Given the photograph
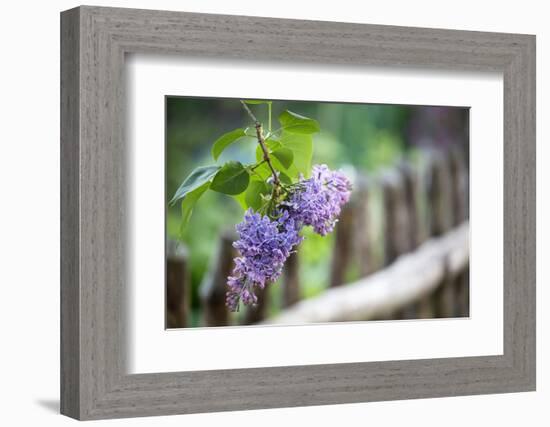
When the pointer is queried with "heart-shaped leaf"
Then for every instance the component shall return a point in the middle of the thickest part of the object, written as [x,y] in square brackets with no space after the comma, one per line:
[271,144]
[231,179]
[295,123]
[225,141]
[302,148]
[195,179]
[284,155]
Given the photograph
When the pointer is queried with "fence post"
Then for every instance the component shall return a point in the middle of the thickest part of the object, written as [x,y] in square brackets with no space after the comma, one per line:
[258,312]
[396,224]
[410,182]
[213,288]
[177,285]
[361,236]
[291,280]
[440,221]
[351,236]
[459,178]
[463,294]
[342,252]
[459,186]
[396,227]
[445,296]
[439,194]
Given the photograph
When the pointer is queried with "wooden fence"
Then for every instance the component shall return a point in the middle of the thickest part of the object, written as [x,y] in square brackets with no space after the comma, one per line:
[422,273]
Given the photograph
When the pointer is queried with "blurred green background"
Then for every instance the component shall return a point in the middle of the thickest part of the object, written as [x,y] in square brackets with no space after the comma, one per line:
[355,137]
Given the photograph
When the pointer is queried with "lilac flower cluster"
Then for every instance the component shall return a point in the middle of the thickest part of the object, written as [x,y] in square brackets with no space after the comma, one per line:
[318,200]
[265,244]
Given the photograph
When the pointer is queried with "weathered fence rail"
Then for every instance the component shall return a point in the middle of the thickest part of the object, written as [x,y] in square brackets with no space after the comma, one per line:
[421,273]
[410,277]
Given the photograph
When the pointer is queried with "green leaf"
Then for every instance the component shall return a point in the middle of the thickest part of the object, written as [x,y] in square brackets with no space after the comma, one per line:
[255,101]
[262,172]
[284,155]
[285,179]
[195,179]
[295,123]
[241,201]
[188,203]
[271,144]
[277,165]
[259,154]
[277,152]
[302,148]
[253,194]
[225,141]
[281,159]
[231,179]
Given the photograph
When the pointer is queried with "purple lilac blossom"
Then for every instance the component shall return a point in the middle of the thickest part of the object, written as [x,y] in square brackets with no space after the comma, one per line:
[318,201]
[264,245]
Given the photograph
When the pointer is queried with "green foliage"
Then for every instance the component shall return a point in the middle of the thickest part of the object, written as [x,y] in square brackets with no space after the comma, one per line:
[284,155]
[188,203]
[292,154]
[281,158]
[271,143]
[289,153]
[225,141]
[301,145]
[261,171]
[196,179]
[314,252]
[256,101]
[255,193]
[295,123]
[241,200]
[231,179]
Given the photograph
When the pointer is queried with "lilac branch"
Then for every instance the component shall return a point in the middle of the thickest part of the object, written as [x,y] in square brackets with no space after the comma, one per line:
[261,141]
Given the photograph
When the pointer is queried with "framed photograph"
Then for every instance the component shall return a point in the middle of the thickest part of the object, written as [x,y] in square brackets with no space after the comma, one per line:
[261,213]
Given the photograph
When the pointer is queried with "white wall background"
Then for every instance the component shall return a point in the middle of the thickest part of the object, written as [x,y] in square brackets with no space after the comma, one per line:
[29,213]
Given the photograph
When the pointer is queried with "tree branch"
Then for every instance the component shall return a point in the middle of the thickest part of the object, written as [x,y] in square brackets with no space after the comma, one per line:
[261,141]
[250,113]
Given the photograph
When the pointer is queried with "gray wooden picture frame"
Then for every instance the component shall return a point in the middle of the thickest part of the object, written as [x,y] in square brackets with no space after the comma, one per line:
[94,381]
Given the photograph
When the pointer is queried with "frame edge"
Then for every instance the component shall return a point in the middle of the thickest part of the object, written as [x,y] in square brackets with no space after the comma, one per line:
[70,396]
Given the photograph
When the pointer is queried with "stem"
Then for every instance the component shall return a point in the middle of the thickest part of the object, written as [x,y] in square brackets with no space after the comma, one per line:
[261,141]
[257,165]
[256,173]
[250,113]
[277,130]
[269,117]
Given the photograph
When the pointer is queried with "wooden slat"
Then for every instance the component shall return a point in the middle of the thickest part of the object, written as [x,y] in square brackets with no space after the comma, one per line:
[178,286]
[213,287]
[291,280]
